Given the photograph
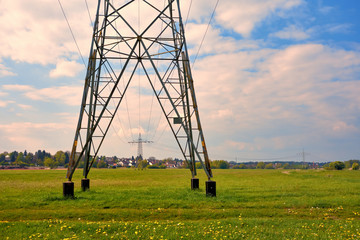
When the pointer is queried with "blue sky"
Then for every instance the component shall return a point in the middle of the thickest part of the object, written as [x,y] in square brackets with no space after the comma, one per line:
[272,77]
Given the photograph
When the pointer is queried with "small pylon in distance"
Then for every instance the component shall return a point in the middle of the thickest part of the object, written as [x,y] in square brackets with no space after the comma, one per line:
[139,142]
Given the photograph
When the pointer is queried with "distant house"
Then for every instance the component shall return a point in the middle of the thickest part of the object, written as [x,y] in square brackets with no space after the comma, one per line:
[170,165]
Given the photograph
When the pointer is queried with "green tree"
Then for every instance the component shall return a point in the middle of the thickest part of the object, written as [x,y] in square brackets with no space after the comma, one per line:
[29,158]
[286,166]
[269,166]
[51,163]
[224,164]
[337,165]
[39,162]
[2,157]
[355,166]
[20,160]
[142,164]
[240,166]
[20,157]
[13,156]
[260,165]
[67,157]
[60,158]
[198,165]
[214,164]
[348,164]
[101,164]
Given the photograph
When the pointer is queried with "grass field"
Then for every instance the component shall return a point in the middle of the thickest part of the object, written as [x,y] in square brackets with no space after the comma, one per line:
[158,204]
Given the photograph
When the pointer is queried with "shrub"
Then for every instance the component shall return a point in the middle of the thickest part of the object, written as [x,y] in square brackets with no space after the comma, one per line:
[222,164]
[260,165]
[286,166]
[337,165]
[269,166]
[355,166]
[240,166]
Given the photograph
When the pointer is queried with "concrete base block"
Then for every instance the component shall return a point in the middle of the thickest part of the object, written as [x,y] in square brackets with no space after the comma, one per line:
[68,189]
[210,188]
[194,183]
[85,184]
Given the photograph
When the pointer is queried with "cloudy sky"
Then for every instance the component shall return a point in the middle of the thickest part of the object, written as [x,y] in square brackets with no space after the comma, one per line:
[273,77]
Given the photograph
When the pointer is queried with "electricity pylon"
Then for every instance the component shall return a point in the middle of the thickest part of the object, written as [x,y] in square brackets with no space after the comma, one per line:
[126,44]
[139,142]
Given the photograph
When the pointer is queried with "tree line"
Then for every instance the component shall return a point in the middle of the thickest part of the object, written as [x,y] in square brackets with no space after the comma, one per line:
[41,158]
[337,165]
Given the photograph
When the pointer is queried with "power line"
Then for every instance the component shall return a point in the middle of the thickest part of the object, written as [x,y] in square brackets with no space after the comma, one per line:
[124,96]
[207,28]
[188,13]
[87,7]
[153,95]
[72,34]
[303,154]
[139,21]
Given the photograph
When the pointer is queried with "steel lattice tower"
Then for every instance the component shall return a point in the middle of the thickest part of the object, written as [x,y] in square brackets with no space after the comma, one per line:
[120,49]
[139,142]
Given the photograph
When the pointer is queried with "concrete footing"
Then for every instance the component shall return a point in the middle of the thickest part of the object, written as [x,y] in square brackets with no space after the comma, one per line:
[68,189]
[210,188]
[194,183]
[85,184]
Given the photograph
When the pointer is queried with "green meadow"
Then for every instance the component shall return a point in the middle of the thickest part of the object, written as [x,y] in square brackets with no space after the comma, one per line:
[158,204]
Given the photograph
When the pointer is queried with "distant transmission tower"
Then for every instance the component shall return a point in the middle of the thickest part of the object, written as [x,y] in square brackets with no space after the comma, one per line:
[127,45]
[303,155]
[140,148]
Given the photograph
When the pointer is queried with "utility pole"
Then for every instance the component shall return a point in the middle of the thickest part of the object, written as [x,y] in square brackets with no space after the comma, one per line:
[140,148]
[303,155]
[125,46]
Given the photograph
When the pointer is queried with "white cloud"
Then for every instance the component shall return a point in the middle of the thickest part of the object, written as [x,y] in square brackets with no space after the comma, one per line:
[25,107]
[66,68]
[27,126]
[34,136]
[242,16]
[3,103]
[37,31]
[5,71]
[17,87]
[337,28]
[325,9]
[214,43]
[69,95]
[285,93]
[292,32]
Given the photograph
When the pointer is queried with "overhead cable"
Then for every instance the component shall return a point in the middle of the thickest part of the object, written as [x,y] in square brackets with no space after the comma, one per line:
[188,13]
[153,95]
[87,7]
[72,34]
[207,28]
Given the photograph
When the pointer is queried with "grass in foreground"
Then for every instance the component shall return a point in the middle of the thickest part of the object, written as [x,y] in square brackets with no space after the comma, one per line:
[156,204]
